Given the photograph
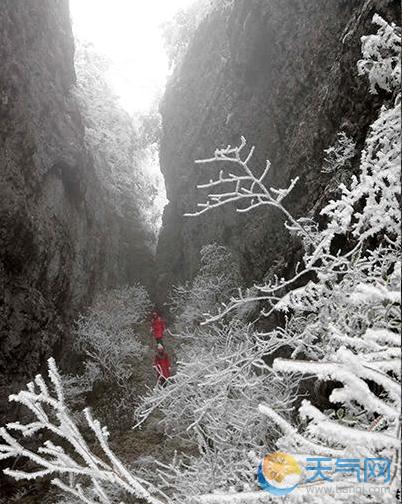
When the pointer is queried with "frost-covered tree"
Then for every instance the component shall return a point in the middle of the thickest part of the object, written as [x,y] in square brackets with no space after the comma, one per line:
[343,325]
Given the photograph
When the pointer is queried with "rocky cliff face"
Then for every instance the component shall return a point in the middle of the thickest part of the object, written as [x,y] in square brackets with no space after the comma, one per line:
[283,74]
[60,239]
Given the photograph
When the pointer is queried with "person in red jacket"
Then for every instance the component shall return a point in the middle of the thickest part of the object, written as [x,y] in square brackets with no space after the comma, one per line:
[162,364]
[158,326]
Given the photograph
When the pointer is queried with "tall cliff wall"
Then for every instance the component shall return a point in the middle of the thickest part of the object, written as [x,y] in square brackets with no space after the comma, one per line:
[60,239]
[283,74]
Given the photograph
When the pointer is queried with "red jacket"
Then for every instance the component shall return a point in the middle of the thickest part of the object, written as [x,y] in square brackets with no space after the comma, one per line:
[162,365]
[158,327]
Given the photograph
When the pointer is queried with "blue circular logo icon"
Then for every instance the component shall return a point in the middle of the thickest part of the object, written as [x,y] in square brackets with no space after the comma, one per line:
[279,473]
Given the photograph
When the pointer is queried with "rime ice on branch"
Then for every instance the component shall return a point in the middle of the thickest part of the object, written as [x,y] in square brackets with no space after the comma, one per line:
[245,187]
[73,465]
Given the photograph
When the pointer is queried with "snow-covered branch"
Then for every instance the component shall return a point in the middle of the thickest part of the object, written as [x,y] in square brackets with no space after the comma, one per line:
[244,187]
[65,455]
[381,60]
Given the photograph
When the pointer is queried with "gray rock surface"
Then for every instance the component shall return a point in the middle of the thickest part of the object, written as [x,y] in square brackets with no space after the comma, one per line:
[283,74]
[60,239]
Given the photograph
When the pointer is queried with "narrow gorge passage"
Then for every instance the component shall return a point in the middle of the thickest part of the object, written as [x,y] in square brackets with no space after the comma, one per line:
[200,251]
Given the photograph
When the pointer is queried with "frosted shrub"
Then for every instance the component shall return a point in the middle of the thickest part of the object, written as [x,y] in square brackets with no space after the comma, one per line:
[121,308]
[64,453]
[213,284]
[106,336]
[212,402]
